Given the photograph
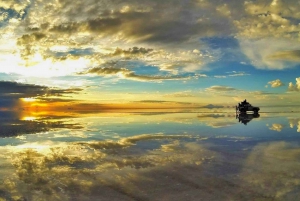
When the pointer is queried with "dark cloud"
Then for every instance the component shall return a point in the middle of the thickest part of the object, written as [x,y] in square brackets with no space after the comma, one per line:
[127,74]
[132,25]
[135,51]
[292,55]
[20,90]
[27,43]
[139,21]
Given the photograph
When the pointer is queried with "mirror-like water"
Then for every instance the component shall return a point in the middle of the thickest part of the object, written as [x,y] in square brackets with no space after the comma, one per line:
[151,155]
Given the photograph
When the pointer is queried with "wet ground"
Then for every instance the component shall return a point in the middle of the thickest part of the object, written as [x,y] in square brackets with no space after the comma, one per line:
[150,155]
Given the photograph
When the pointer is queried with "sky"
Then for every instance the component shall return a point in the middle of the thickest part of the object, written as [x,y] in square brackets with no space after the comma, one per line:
[106,54]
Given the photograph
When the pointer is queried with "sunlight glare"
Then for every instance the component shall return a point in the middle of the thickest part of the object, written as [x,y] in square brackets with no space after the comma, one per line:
[28,118]
[28,99]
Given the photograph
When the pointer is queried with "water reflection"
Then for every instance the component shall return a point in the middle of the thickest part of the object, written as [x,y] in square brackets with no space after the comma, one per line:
[161,156]
[295,122]
[245,118]
[14,124]
[216,120]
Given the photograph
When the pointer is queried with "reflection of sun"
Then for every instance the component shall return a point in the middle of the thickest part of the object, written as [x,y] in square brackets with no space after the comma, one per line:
[28,118]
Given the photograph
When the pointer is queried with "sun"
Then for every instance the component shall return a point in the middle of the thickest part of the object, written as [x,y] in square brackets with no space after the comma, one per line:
[28,99]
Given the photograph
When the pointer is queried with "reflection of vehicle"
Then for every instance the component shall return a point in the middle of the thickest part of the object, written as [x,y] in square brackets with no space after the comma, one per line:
[244,106]
[245,118]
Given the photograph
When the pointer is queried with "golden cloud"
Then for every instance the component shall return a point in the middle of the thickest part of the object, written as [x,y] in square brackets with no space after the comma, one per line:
[276,83]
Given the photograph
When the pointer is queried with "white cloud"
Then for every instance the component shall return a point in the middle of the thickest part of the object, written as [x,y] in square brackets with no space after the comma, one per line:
[276,83]
[220,76]
[218,88]
[266,53]
[265,19]
[106,25]
[295,87]
[173,40]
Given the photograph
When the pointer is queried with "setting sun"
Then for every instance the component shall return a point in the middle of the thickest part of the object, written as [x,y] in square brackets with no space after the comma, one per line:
[28,99]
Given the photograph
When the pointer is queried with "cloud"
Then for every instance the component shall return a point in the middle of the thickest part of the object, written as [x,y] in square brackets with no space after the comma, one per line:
[276,83]
[218,88]
[263,19]
[289,55]
[235,73]
[268,33]
[117,31]
[220,76]
[127,20]
[270,53]
[16,5]
[232,74]
[295,87]
[21,90]
[12,92]
[129,31]
[127,74]
[136,51]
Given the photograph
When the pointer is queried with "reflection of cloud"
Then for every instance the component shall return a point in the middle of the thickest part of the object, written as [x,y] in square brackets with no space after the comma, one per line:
[121,173]
[272,169]
[211,106]
[220,124]
[276,83]
[11,125]
[276,127]
[217,120]
[295,122]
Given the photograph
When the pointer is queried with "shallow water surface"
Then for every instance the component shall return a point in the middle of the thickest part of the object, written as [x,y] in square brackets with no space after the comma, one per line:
[157,155]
